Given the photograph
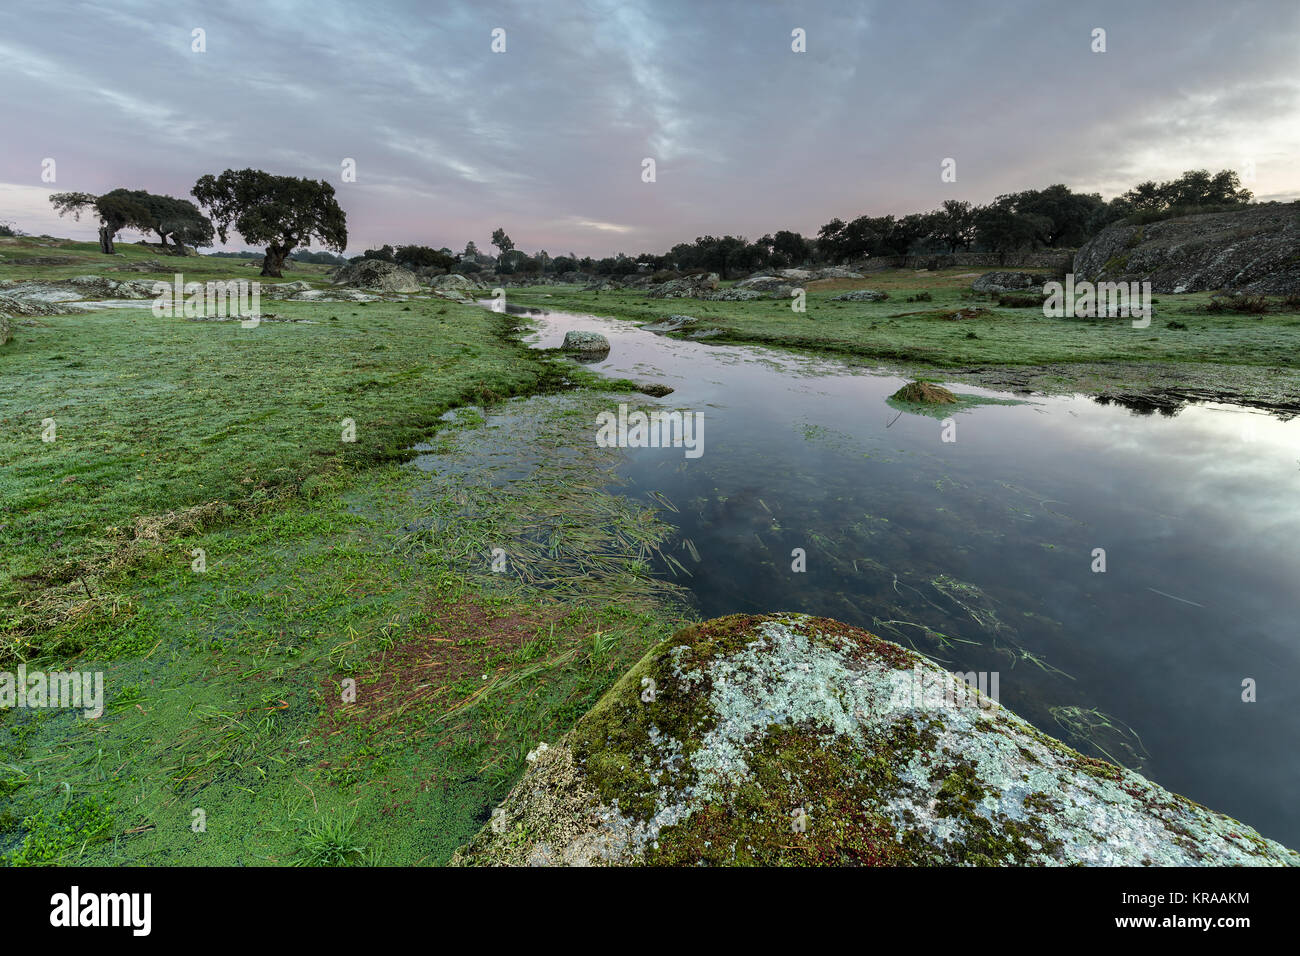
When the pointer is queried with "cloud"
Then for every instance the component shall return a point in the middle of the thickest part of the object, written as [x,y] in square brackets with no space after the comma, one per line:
[547,139]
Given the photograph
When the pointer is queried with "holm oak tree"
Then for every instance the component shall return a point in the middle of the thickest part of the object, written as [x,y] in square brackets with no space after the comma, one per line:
[282,212]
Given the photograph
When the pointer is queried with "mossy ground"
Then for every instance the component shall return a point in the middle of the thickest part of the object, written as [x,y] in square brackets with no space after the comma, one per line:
[325,561]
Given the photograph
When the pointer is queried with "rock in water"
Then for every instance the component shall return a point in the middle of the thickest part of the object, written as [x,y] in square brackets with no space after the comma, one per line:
[674,323]
[787,739]
[924,393]
[585,342]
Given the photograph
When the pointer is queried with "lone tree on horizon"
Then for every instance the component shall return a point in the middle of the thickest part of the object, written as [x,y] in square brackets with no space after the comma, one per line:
[282,212]
[502,241]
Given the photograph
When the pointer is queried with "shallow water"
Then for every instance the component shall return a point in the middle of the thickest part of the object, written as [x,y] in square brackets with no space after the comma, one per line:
[980,552]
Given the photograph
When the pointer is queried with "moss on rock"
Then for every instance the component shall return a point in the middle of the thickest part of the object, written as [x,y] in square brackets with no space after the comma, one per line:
[924,393]
[793,740]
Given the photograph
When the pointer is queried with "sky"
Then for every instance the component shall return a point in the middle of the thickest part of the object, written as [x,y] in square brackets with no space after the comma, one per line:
[548,138]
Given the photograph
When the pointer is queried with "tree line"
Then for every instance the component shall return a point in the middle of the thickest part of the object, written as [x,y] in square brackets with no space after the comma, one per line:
[286,213]
[1052,218]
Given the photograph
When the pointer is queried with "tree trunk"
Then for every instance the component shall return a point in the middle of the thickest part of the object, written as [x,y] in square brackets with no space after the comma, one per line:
[273,261]
[105,240]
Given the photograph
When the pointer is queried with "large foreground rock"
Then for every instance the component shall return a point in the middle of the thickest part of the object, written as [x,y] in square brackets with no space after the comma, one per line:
[793,740]
[1256,249]
[378,276]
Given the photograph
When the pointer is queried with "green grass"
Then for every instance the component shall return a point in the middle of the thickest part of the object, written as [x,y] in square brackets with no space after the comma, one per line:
[88,260]
[920,334]
[159,416]
[227,738]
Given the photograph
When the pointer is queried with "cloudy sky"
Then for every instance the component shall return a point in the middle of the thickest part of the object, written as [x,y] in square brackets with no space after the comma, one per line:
[548,138]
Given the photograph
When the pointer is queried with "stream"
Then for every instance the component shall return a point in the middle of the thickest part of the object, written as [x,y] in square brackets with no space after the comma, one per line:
[981,552]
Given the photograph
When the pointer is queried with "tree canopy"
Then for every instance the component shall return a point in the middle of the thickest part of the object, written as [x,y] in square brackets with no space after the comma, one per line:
[282,212]
[117,210]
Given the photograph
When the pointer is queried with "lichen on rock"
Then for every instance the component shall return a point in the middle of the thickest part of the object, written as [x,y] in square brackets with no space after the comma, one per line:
[792,740]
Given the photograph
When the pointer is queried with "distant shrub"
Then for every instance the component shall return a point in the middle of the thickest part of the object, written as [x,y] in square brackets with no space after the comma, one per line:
[1291,303]
[1017,300]
[919,297]
[1238,302]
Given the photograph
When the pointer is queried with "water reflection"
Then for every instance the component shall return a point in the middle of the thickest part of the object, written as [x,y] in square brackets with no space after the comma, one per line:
[981,552]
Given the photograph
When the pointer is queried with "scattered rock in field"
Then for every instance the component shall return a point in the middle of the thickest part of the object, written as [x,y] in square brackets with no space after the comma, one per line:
[6,329]
[588,342]
[283,290]
[838,272]
[924,393]
[720,745]
[457,283]
[765,284]
[735,295]
[378,276]
[861,295]
[12,306]
[685,288]
[704,334]
[1006,281]
[333,295]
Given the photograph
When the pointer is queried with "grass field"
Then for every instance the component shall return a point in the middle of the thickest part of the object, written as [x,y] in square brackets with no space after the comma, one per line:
[308,653]
[86,259]
[1242,356]
[200,532]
